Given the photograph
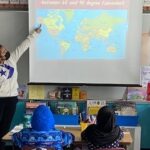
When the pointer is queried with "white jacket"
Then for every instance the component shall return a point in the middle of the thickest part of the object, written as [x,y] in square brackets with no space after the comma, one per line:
[8,70]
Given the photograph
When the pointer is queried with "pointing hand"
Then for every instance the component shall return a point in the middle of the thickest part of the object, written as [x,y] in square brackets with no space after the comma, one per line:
[38,29]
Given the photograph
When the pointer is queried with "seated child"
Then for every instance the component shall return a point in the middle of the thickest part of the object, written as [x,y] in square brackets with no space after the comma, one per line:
[103,134]
[42,132]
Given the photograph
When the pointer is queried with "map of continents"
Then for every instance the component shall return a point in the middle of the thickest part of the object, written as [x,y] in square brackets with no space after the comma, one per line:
[82,34]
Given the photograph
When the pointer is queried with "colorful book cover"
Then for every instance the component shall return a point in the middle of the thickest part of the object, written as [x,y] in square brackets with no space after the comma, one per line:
[93,106]
[67,93]
[36,92]
[65,108]
[34,104]
[125,108]
[75,93]
[136,93]
[30,106]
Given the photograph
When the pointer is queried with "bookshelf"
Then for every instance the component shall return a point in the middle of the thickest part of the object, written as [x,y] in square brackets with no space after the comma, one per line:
[66,112]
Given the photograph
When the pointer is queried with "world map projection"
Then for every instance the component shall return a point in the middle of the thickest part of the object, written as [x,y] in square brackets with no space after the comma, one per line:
[82,34]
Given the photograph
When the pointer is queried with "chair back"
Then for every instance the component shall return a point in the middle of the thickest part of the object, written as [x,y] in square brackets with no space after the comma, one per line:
[118,148]
[36,148]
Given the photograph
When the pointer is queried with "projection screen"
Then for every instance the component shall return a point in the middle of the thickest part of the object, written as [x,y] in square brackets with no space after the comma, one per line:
[86,41]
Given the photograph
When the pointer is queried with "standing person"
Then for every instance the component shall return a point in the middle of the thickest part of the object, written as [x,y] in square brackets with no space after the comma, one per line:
[103,134]
[42,134]
[8,81]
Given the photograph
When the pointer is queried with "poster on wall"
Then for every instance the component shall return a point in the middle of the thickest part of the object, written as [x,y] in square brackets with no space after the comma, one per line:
[145,76]
[145,50]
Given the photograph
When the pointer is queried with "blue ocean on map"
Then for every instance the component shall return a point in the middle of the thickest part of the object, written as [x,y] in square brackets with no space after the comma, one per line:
[82,34]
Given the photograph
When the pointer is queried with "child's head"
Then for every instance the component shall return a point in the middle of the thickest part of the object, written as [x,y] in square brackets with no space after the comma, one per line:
[42,119]
[105,119]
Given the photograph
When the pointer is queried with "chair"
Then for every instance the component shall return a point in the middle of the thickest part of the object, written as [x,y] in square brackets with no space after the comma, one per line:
[36,148]
[119,148]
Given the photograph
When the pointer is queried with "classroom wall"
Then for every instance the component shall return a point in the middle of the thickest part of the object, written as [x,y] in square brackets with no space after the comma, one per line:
[13,30]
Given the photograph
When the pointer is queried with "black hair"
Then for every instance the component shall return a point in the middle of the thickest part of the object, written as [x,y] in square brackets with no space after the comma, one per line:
[106,119]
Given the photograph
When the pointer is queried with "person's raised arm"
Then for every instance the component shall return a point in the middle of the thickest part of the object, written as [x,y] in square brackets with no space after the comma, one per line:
[17,53]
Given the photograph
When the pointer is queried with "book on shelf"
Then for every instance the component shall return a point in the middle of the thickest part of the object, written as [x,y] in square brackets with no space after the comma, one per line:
[36,92]
[75,93]
[67,93]
[125,108]
[93,106]
[64,108]
[34,104]
[136,93]
[30,106]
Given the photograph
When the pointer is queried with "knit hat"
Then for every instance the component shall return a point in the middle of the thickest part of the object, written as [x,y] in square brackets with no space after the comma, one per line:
[42,119]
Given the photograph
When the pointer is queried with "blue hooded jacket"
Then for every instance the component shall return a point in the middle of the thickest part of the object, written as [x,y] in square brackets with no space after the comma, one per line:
[42,132]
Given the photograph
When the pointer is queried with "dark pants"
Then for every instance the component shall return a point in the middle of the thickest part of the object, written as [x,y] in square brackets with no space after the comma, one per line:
[7,110]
